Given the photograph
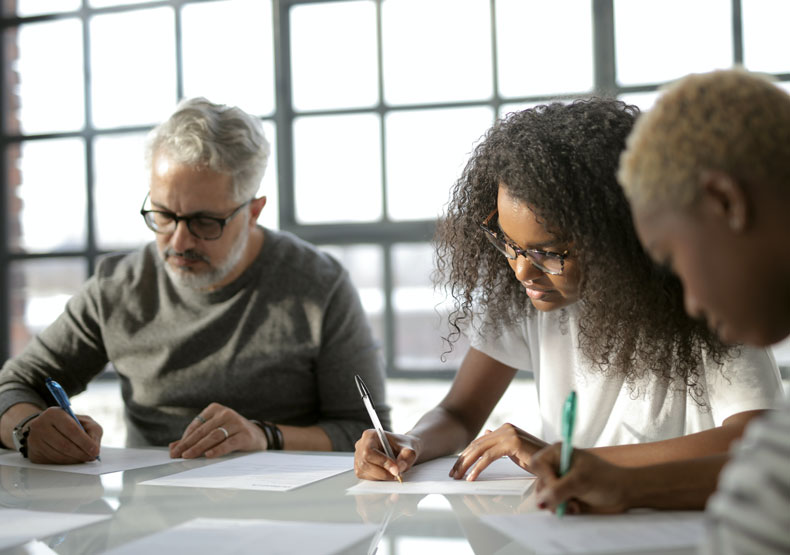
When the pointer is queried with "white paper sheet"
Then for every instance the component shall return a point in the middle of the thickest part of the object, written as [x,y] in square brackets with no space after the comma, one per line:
[267,471]
[212,536]
[113,459]
[20,526]
[502,477]
[547,534]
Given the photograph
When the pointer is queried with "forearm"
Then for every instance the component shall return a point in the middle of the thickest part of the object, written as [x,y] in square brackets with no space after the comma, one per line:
[440,433]
[679,485]
[308,438]
[702,444]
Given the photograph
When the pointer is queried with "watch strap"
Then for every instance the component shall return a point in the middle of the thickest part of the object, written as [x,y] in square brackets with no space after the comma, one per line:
[20,433]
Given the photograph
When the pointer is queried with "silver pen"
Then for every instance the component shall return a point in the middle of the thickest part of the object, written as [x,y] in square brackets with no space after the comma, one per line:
[363,391]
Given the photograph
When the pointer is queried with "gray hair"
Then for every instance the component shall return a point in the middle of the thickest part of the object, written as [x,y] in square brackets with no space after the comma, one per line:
[222,138]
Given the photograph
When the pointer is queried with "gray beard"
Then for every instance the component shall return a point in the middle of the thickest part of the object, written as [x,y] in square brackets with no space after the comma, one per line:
[205,280]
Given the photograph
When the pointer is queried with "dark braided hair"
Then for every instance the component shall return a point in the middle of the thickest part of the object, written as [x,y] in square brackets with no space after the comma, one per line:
[561,160]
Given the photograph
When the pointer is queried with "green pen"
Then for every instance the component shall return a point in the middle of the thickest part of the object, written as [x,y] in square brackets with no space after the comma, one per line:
[568,421]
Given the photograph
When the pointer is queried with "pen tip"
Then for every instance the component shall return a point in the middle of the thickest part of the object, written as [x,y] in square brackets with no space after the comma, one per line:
[400,479]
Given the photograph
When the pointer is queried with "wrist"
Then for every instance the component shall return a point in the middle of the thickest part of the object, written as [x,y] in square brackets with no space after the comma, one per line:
[21,432]
[272,434]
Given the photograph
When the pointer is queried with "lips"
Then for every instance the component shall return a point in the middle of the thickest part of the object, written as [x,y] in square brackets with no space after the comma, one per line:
[181,261]
[536,293]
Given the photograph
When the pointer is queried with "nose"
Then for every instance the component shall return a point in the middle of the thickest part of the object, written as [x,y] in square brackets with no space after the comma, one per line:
[524,269]
[181,239]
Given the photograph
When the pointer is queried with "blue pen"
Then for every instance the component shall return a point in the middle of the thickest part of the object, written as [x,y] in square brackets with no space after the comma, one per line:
[568,421]
[63,402]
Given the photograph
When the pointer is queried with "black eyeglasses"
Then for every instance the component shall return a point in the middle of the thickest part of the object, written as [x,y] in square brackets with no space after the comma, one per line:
[203,227]
[548,262]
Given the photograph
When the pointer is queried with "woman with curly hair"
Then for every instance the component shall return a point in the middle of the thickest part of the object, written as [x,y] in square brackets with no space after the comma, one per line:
[539,253]
[707,173]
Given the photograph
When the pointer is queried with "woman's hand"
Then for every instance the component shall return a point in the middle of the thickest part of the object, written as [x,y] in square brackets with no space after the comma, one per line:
[371,463]
[507,440]
[592,485]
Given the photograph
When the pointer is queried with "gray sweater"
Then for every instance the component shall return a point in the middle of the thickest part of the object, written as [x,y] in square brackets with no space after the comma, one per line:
[280,343]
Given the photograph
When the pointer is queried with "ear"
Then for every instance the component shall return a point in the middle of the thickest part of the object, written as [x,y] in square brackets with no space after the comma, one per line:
[724,197]
[256,206]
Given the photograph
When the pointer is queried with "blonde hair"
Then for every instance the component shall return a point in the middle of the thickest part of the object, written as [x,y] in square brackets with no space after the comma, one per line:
[732,121]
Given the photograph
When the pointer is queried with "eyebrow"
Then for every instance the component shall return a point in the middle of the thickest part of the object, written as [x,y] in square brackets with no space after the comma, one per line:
[162,208]
[554,242]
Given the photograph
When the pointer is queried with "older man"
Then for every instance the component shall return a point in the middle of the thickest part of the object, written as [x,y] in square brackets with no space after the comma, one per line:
[226,336]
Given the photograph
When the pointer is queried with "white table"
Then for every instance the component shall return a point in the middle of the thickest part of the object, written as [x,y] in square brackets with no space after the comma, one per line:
[430,524]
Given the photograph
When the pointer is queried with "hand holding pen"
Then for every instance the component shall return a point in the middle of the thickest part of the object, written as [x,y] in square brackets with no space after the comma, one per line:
[363,391]
[63,402]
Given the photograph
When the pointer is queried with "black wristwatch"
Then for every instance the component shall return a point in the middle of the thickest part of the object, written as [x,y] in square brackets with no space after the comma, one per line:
[19,434]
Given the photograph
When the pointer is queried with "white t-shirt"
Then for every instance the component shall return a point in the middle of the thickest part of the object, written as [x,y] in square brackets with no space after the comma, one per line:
[608,411]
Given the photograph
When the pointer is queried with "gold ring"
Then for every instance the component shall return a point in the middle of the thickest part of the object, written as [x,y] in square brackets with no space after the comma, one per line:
[224,431]
[200,419]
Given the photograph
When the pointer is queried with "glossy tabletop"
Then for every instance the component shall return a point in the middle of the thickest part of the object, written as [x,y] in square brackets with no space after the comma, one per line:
[417,524]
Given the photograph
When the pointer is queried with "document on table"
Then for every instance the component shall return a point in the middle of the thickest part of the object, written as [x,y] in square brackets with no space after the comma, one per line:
[266,471]
[20,526]
[502,477]
[215,535]
[546,534]
[113,459]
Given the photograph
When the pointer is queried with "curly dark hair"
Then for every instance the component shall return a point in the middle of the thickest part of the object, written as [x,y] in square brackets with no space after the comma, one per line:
[561,160]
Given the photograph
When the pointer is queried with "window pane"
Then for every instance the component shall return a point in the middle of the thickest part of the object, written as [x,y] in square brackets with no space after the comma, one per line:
[133,79]
[270,217]
[49,204]
[420,312]
[662,40]
[229,53]
[50,91]
[544,47]
[426,152]
[644,100]
[108,3]
[337,170]
[766,42]
[39,291]
[334,55]
[365,265]
[121,185]
[436,51]
[27,8]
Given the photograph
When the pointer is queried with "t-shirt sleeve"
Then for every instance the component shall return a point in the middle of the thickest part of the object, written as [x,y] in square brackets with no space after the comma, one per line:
[508,345]
[70,351]
[750,381]
[750,511]
[348,348]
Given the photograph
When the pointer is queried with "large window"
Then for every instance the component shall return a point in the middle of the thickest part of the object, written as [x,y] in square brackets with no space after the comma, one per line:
[372,107]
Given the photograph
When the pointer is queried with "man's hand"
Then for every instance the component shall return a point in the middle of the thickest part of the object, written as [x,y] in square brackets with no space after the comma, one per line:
[216,431]
[55,438]
[507,440]
[592,485]
[370,462]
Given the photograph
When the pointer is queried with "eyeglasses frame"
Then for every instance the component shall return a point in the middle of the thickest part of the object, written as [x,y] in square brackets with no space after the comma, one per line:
[505,240]
[188,219]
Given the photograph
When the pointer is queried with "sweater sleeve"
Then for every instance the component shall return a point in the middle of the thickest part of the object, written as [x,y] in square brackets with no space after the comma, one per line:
[750,511]
[70,351]
[347,348]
